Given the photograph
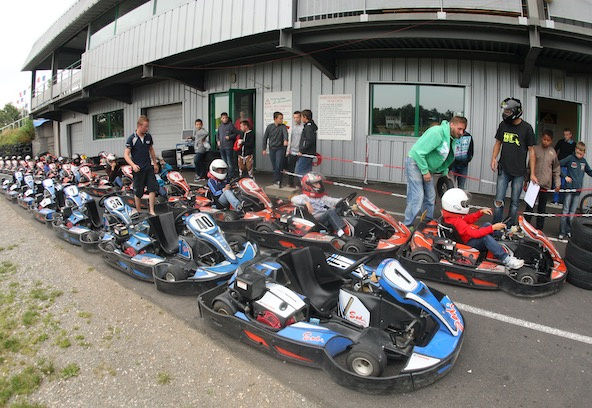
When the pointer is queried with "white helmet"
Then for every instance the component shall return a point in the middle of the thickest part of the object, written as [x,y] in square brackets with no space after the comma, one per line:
[456,201]
[27,157]
[219,169]
[111,157]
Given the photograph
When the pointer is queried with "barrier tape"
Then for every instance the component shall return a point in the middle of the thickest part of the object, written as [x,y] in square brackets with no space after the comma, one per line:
[372,190]
[320,158]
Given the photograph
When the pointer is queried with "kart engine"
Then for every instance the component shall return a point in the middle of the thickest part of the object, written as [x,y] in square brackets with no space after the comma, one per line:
[272,304]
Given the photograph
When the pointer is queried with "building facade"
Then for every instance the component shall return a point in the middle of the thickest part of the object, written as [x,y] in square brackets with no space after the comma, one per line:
[397,68]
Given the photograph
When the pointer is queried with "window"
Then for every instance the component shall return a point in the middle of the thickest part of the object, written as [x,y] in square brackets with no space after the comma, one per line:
[408,110]
[108,125]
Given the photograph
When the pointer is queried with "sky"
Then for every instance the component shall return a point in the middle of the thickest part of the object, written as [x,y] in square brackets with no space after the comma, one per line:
[22,22]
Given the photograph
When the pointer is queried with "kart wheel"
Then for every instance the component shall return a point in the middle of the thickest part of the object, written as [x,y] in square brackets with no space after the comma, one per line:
[224,307]
[586,204]
[423,255]
[263,227]
[366,360]
[354,246]
[443,185]
[527,277]
[230,216]
[110,246]
[237,242]
[578,277]
[581,233]
[175,274]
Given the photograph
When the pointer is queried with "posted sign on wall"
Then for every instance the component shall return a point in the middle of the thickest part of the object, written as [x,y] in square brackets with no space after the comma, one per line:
[277,102]
[335,117]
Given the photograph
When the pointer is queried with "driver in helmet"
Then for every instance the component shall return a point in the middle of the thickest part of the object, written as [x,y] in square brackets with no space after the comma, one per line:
[318,203]
[515,139]
[219,186]
[455,211]
[113,170]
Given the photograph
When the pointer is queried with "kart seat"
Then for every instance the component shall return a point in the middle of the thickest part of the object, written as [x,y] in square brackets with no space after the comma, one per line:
[162,227]
[310,275]
[93,213]
[448,231]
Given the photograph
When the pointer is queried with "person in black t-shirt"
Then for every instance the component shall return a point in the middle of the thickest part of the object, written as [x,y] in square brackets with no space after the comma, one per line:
[564,148]
[515,139]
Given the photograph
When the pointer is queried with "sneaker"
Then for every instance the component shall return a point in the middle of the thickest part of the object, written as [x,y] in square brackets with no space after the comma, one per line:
[513,263]
[569,234]
[277,184]
[561,236]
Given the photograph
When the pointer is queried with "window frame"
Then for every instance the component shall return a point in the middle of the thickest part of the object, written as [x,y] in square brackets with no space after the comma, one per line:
[416,102]
[110,121]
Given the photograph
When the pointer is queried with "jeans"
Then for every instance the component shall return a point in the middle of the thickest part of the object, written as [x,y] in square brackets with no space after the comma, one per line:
[199,164]
[503,179]
[292,159]
[229,197]
[277,162]
[558,197]
[331,217]
[570,204]
[541,209]
[421,195]
[228,157]
[462,170]
[303,165]
[118,182]
[488,242]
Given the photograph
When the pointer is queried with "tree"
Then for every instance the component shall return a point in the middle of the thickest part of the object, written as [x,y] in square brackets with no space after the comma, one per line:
[9,114]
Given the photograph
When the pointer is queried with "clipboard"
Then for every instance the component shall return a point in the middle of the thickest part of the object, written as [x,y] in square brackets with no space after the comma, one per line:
[532,192]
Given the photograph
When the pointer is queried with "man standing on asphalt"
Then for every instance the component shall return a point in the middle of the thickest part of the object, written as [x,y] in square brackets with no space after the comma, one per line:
[432,153]
[276,134]
[308,143]
[139,153]
[225,137]
[294,148]
[515,138]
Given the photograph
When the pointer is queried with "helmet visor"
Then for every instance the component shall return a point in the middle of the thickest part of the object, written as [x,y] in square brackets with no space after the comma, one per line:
[465,203]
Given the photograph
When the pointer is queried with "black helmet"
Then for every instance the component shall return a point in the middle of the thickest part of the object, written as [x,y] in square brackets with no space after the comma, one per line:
[511,104]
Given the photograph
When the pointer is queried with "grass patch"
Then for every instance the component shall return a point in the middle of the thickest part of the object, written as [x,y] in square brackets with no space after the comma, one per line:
[8,248]
[104,369]
[71,370]
[45,294]
[23,383]
[7,268]
[30,317]
[85,315]
[164,378]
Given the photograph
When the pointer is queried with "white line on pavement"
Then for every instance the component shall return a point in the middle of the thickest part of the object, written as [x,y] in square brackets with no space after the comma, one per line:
[523,323]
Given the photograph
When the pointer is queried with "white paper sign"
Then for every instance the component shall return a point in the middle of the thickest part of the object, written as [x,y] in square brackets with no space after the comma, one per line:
[531,193]
[335,117]
[277,102]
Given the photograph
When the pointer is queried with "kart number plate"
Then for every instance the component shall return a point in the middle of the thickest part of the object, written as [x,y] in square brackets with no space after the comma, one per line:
[113,203]
[202,222]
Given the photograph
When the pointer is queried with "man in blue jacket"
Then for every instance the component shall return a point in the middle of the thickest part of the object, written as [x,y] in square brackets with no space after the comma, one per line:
[225,137]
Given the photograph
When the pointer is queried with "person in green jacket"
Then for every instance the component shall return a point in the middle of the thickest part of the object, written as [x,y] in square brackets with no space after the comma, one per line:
[432,153]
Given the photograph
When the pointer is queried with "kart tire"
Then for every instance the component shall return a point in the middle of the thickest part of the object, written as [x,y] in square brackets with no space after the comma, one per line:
[443,185]
[175,273]
[577,256]
[366,360]
[264,228]
[527,277]
[578,277]
[230,216]
[354,246]
[581,233]
[237,242]
[585,206]
[224,307]
[423,255]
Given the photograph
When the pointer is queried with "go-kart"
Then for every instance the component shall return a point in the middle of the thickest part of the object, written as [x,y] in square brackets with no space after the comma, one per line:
[47,202]
[78,216]
[127,192]
[93,184]
[15,188]
[368,229]
[434,253]
[28,192]
[371,330]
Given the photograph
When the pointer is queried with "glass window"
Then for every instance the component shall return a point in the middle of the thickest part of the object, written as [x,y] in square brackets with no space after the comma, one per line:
[132,12]
[102,28]
[164,5]
[108,125]
[408,110]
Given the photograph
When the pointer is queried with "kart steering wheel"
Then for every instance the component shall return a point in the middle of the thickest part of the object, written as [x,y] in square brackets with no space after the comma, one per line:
[102,200]
[186,213]
[345,199]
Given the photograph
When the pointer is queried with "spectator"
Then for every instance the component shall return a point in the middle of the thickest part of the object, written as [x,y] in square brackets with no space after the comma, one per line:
[225,138]
[547,172]
[564,148]
[308,143]
[247,148]
[515,138]
[294,148]
[432,153]
[576,167]
[463,154]
[200,137]
[276,136]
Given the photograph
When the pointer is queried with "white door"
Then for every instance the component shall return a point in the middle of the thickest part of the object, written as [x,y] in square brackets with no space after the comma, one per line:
[75,136]
[166,126]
